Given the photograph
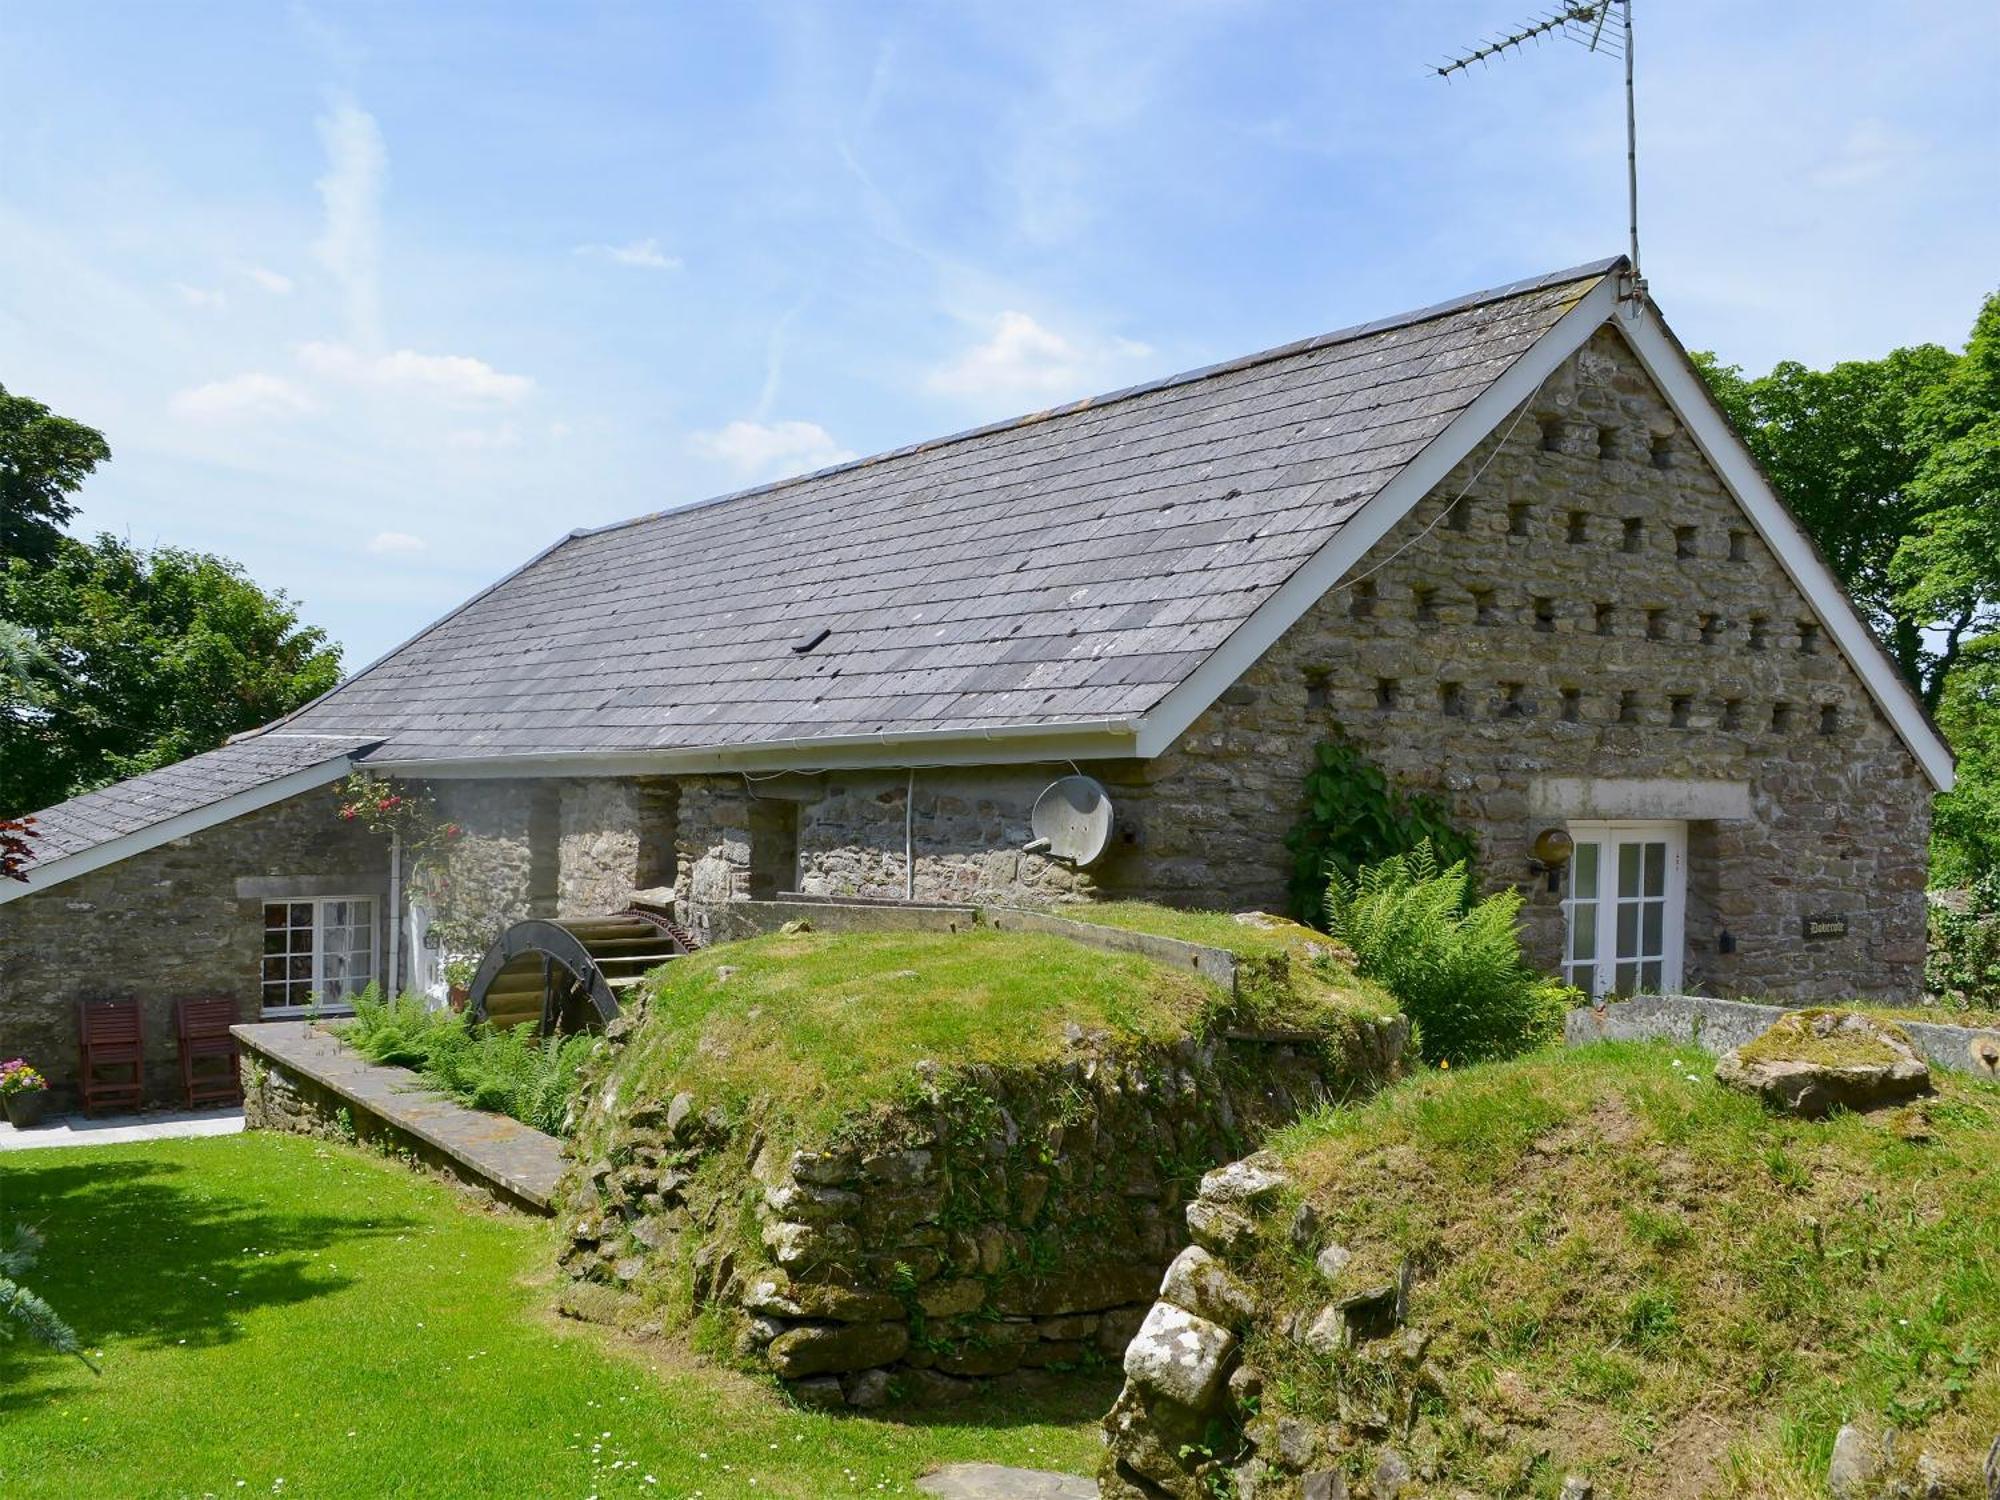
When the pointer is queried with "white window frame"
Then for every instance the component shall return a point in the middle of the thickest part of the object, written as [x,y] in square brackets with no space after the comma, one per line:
[319,905]
[1673,916]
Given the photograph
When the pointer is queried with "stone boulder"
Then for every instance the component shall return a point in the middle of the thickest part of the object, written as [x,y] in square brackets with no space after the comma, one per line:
[1180,1356]
[1812,1062]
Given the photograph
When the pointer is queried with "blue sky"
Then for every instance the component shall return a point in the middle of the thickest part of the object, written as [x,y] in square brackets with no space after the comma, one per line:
[380,299]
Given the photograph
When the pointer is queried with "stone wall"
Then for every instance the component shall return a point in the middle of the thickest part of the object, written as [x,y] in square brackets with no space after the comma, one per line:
[1007,1219]
[1597,606]
[182,921]
[842,833]
[552,846]
[1185,1380]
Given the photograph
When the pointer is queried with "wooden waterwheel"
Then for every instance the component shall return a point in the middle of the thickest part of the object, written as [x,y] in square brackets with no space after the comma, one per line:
[568,974]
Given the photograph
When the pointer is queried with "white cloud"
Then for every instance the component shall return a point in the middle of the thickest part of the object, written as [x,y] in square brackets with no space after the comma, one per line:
[458,379]
[645,254]
[771,450]
[242,397]
[274,282]
[1026,359]
[396,544]
[195,296]
[349,246]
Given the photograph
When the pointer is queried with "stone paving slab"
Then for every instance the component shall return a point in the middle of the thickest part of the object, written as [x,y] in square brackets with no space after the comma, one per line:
[524,1162]
[119,1130]
[998,1482]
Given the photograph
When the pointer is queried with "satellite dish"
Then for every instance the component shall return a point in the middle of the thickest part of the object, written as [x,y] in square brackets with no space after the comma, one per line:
[1073,819]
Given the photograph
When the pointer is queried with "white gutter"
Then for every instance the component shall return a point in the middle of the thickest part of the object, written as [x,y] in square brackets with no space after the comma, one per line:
[1005,744]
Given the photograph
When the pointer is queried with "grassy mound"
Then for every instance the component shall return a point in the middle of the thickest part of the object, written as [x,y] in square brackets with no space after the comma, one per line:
[1629,1272]
[826,1025]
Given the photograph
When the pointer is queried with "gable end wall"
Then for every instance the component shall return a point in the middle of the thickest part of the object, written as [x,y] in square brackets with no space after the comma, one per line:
[1839,819]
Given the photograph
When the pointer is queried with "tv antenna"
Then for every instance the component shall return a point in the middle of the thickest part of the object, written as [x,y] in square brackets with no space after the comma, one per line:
[1585,23]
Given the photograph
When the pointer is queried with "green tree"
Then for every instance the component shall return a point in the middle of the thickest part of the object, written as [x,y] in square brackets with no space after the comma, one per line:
[44,459]
[1965,821]
[142,658]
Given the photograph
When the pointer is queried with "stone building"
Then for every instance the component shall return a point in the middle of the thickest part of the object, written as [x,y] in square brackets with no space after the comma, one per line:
[1507,544]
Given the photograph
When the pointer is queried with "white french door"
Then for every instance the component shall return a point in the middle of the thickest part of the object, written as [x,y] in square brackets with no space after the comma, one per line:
[1625,910]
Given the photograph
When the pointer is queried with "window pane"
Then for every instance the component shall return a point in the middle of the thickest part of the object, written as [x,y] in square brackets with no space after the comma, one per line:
[1583,931]
[1628,869]
[274,968]
[1628,929]
[274,914]
[1649,976]
[274,942]
[1655,918]
[302,968]
[1584,977]
[1628,975]
[1656,869]
[1583,883]
[302,914]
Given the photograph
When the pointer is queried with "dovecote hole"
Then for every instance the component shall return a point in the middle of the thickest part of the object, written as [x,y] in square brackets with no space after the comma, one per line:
[1760,632]
[1482,606]
[1579,528]
[1545,615]
[1605,617]
[1781,717]
[1656,624]
[1451,699]
[1635,534]
[1679,707]
[1808,638]
[1362,605]
[1387,691]
[1739,546]
[1518,516]
[1426,601]
[1628,707]
[1684,542]
[1732,713]
[1829,718]
[1572,705]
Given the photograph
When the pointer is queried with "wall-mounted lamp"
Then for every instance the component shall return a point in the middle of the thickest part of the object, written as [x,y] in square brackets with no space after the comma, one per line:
[1551,852]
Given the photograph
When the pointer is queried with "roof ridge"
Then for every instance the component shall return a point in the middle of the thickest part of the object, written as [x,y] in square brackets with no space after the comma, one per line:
[1125,393]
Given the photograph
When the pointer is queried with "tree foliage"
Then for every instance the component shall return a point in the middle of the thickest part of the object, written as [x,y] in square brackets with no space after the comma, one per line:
[44,459]
[116,659]
[1893,465]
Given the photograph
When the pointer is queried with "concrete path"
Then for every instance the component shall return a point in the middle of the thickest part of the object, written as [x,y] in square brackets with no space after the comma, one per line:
[117,1130]
[998,1482]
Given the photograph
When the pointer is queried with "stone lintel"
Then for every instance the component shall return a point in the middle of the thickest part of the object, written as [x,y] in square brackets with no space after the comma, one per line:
[1665,799]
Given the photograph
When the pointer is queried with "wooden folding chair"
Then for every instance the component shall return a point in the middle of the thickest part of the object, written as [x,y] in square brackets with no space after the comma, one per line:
[208,1051]
[111,1054]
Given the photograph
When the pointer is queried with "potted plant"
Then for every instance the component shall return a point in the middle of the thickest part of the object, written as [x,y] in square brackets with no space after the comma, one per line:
[25,1092]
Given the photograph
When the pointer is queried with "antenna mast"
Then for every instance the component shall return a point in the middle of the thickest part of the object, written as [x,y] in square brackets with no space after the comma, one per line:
[1582,22]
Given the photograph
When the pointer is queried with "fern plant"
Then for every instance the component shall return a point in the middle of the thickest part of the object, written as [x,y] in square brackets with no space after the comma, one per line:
[1454,964]
[504,1070]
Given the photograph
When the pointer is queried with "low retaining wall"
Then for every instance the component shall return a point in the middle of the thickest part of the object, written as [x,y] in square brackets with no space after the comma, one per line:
[1718,1025]
[299,1079]
[1001,1220]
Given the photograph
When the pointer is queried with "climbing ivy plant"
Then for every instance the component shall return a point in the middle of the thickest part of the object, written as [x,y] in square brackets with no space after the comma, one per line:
[1354,816]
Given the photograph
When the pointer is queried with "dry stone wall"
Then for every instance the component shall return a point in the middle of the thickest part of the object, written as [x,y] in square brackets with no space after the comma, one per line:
[1597,606]
[1002,1220]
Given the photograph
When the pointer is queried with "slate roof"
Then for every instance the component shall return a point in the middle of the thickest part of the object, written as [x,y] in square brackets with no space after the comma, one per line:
[132,806]
[1062,570]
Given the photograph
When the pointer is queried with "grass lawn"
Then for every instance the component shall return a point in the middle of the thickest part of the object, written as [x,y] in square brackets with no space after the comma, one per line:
[275,1315]
[833,1022]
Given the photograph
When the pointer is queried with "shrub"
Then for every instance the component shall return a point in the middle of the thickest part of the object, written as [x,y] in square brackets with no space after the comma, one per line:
[1353,817]
[1962,965]
[1456,967]
[504,1070]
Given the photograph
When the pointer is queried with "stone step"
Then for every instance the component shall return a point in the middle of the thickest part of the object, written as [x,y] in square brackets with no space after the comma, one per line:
[999,1482]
